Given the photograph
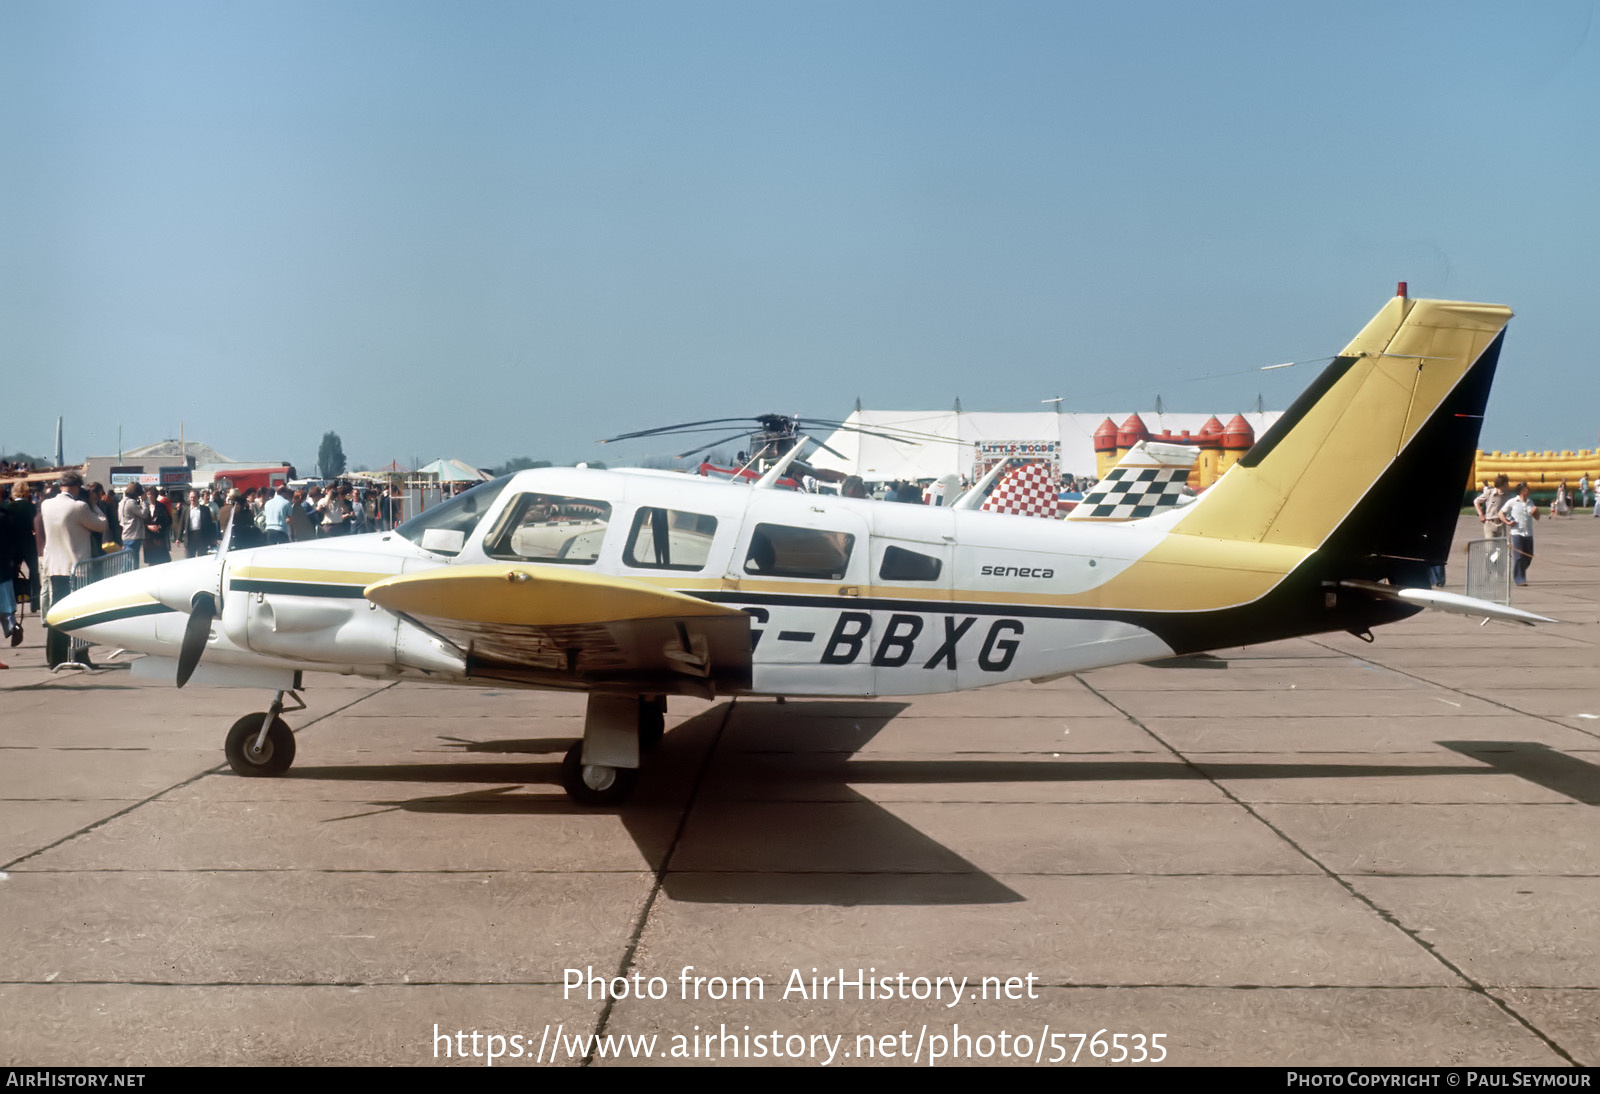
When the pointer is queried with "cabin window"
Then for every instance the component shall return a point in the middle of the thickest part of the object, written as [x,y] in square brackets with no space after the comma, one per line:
[669,539]
[550,528]
[444,528]
[900,564]
[777,550]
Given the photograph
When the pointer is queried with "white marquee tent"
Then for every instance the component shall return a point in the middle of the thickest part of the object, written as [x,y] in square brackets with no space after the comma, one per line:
[450,470]
[955,433]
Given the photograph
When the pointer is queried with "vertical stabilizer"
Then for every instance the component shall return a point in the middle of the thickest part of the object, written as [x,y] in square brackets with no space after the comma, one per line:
[1395,415]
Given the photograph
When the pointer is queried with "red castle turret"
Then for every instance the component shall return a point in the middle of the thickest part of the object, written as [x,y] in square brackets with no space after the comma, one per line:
[1105,438]
[1105,448]
[1210,442]
[1238,435]
[1131,432]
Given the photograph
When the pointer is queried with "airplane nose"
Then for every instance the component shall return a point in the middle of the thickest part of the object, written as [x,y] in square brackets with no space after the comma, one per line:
[104,610]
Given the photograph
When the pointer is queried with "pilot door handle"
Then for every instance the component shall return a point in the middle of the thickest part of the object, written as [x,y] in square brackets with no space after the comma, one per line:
[850,590]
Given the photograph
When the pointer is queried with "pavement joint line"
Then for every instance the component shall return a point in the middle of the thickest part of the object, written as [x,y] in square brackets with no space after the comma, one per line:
[86,829]
[76,801]
[190,872]
[83,748]
[752,872]
[1383,913]
[919,756]
[1493,702]
[284,983]
[776,981]
[884,803]
[1278,720]
[604,1021]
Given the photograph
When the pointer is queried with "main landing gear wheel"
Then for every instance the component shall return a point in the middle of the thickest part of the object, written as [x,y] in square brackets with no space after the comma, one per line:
[595,784]
[276,753]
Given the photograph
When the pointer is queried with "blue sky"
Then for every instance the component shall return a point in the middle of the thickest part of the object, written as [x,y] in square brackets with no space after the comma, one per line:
[491,230]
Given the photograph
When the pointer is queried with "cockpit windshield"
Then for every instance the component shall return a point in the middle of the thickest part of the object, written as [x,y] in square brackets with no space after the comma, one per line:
[444,528]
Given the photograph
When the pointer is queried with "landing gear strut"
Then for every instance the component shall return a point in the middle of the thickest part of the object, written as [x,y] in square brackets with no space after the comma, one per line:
[262,744]
[603,768]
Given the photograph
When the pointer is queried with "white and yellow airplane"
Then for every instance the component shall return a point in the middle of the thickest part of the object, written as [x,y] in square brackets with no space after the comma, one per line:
[633,586]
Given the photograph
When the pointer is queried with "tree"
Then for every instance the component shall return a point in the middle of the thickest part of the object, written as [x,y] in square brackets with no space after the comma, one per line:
[330,456]
[520,463]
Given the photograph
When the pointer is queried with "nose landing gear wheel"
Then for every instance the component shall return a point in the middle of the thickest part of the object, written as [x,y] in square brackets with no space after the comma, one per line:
[277,751]
[595,784]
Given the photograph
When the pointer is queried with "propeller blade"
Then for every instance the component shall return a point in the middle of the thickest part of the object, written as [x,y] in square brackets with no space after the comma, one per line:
[195,634]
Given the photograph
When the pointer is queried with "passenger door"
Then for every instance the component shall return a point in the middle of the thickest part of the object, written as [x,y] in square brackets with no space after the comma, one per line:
[913,572]
[801,567]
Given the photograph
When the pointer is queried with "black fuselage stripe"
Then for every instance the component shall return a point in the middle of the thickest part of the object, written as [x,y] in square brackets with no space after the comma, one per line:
[296,588]
[1296,606]
[926,607]
[113,615]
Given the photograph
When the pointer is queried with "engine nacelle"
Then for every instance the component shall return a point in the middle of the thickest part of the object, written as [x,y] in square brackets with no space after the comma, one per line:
[317,614]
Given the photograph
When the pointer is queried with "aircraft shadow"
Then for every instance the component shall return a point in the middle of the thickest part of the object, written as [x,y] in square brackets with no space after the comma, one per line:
[557,745]
[758,803]
[741,848]
[1189,661]
[1538,764]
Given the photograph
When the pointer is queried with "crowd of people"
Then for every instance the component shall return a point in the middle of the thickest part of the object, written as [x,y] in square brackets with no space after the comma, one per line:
[932,493]
[203,519]
[45,535]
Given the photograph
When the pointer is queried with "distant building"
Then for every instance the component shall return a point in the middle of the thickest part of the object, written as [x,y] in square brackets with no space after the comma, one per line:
[166,463]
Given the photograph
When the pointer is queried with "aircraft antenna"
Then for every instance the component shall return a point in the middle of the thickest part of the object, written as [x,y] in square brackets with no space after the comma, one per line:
[769,481]
[980,489]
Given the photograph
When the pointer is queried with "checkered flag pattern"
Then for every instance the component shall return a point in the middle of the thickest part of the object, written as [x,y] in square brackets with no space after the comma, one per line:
[1128,493]
[1028,490]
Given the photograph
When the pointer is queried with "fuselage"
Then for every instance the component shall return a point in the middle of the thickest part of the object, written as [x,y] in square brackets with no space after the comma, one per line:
[845,596]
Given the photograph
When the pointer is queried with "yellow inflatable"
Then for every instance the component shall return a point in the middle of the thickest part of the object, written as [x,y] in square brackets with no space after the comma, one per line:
[1540,470]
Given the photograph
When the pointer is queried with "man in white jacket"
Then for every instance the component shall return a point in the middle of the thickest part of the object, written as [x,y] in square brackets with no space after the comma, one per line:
[66,522]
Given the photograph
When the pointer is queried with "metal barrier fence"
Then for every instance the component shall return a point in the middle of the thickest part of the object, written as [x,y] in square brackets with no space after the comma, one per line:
[419,498]
[91,570]
[1489,570]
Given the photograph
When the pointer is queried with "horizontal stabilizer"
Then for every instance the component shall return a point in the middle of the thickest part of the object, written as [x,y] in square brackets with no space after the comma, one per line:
[1447,602]
[533,595]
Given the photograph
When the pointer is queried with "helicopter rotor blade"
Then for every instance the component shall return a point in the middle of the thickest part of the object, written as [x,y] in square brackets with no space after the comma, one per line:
[905,436]
[652,431]
[830,448]
[713,444]
[671,428]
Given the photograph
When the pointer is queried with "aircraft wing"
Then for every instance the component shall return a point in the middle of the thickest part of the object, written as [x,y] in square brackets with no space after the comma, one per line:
[557,626]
